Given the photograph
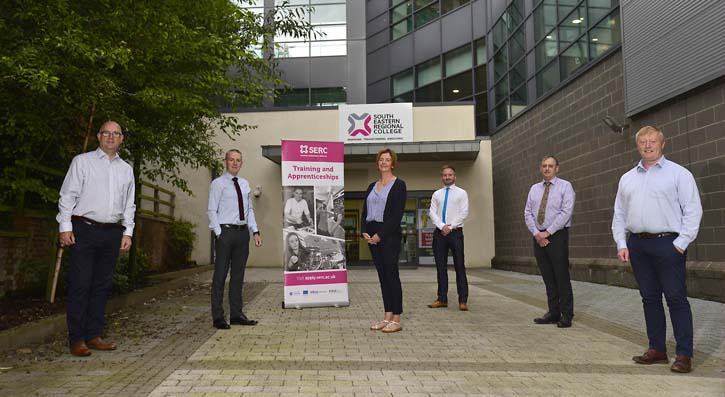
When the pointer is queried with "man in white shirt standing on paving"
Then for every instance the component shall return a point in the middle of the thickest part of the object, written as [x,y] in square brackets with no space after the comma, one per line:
[657,214]
[448,211]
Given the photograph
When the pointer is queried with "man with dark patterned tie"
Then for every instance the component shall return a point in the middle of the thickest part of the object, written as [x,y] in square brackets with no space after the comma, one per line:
[547,214]
[448,210]
[231,217]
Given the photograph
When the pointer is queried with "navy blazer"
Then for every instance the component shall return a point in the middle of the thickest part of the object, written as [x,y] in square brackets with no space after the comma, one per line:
[394,207]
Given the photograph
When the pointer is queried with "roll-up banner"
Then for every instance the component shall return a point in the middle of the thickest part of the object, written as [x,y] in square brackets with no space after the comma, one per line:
[313,236]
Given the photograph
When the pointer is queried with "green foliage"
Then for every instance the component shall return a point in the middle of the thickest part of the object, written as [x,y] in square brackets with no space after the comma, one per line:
[122,278]
[181,237]
[162,69]
[32,278]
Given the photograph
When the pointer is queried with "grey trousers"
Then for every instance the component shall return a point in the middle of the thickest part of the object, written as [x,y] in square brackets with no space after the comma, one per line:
[232,251]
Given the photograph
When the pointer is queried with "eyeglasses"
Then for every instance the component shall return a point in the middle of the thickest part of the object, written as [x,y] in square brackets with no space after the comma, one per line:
[115,134]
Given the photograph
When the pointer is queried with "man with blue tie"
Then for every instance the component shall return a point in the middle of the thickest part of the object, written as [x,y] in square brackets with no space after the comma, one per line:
[548,212]
[231,217]
[448,210]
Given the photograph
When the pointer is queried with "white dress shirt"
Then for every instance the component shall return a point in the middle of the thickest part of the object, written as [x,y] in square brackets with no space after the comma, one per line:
[223,206]
[295,209]
[456,209]
[99,189]
[663,198]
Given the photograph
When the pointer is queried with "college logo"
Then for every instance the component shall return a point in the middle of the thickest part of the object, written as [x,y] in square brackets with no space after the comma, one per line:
[359,124]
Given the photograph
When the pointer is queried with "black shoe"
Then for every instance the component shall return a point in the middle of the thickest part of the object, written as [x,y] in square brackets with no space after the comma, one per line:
[547,318]
[565,321]
[221,324]
[242,321]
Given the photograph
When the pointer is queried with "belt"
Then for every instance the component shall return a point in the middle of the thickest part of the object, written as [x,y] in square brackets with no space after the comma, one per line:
[647,236]
[232,226]
[100,225]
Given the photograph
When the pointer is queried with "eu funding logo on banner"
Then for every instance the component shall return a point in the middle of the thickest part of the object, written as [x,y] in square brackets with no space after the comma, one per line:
[389,122]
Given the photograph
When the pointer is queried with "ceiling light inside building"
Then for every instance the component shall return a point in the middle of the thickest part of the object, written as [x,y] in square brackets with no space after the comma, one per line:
[549,37]
[456,91]
[576,21]
[595,39]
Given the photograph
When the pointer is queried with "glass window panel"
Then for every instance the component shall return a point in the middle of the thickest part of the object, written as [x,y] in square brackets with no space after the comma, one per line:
[401,12]
[544,19]
[546,51]
[328,96]
[428,72]
[481,105]
[394,3]
[605,35]
[457,87]
[291,2]
[518,99]
[518,73]
[500,33]
[293,97]
[502,113]
[482,125]
[547,78]
[599,8]
[429,93]
[401,28]
[573,58]
[328,48]
[500,63]
[449,5]
[418,4]
[285,38]
[565,7]
[516,13]
[332,32]
[251,3]
[480,46]
[328,14]
[572,27]
[479,75]
[403,82]
[426,15]
[292,50]
[517,46]
[458,60]
[501,91]
[407,97]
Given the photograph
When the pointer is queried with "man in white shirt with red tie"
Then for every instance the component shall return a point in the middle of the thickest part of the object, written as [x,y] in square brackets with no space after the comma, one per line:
[231,218]
[448,211]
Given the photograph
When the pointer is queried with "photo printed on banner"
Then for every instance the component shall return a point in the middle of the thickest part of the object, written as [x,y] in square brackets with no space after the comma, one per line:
[299,210]
[330,211]
[308,252]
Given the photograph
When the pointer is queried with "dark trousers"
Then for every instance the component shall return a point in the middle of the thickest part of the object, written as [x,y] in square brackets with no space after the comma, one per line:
[441,245]
[553,261]
[660,269]
[92,262]
[232,251]
[385,256]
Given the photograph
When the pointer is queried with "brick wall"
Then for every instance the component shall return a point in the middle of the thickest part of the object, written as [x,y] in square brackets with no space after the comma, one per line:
[568,125]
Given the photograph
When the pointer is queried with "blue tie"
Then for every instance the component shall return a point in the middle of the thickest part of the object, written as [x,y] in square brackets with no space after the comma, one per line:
[445,204]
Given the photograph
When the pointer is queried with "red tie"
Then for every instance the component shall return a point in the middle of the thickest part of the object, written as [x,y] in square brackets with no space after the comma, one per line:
[240,200]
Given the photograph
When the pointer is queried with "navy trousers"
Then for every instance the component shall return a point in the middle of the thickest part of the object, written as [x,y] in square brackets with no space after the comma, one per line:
[553,261]
[232,252]
[441,245]
[385,255]
[92,262]
[660,269]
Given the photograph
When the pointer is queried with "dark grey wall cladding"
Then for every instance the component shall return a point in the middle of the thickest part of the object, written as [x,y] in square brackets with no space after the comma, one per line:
[670,47]
[456,29]
[568,125]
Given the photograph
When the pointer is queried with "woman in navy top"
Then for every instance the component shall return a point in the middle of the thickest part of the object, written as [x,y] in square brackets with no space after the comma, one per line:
[381,216]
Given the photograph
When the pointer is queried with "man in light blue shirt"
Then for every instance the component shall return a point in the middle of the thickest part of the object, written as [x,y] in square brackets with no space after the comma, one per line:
[231,217]
[658,206]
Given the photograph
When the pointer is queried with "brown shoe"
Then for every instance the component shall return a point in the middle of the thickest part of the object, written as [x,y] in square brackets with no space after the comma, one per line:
[80,349]
[652,356]
[462,306]
[438,304]
[682,364]
[98,344]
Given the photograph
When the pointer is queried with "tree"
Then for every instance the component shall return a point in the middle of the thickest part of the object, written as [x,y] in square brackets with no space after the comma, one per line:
[160,68]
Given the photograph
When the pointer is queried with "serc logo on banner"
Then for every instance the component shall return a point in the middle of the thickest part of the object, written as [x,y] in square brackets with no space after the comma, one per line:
[359,124]
[306,149]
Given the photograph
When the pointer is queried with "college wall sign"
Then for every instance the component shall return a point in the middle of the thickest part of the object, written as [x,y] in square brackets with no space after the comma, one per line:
[385,122]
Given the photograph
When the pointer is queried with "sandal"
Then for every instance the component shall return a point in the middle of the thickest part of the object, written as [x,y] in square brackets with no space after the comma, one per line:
[392,327]
[379,325]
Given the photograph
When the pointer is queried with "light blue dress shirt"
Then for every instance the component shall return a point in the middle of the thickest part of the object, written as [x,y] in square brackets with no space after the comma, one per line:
[662,199]
[224,207]
[559,206]
[98,188]
[376,202]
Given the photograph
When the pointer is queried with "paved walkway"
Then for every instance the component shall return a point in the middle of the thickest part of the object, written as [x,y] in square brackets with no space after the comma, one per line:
[168,347]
